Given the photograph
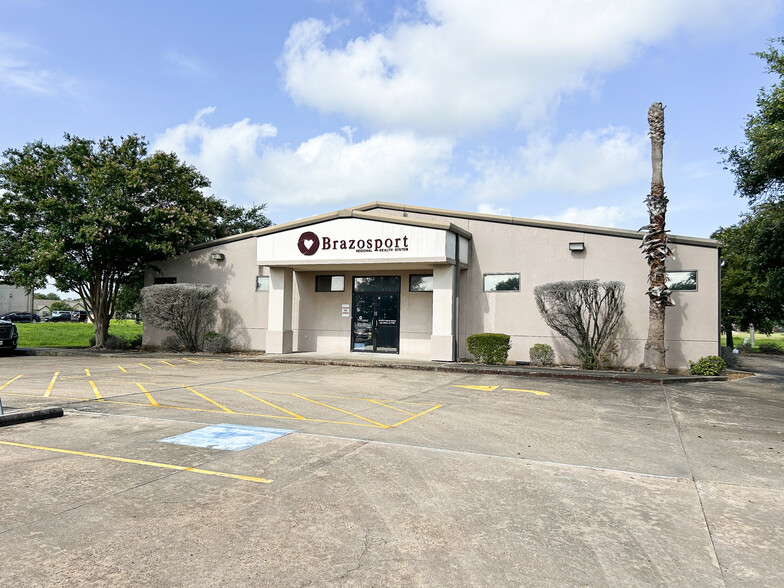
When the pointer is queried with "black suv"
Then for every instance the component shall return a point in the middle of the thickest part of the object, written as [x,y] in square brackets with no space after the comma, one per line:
[21,317]
[79,315]
[59,316]
[8,335]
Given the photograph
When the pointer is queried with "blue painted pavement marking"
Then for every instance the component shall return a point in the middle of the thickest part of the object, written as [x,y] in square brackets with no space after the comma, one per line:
[228,437]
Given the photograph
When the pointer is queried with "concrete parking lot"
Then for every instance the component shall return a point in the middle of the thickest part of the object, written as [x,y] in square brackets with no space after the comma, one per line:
[372,477]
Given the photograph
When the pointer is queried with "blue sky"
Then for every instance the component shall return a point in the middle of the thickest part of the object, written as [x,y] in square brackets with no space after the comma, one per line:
[534,108]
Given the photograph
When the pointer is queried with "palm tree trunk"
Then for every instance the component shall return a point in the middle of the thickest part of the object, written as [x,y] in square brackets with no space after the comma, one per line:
[655,249]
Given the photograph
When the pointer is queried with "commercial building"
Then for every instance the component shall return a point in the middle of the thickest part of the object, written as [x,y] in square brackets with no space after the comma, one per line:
[392,278]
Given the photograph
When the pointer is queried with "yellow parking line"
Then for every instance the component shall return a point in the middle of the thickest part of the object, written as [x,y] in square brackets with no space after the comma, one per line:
[190,360]
[253,414]
[51,384]
[86,371]
[147,394]
[392,407]
[95,389]
[208,399]
[122,369]
[145,366]
[270,404]
[167,363]
[9,381]
[140,462]
[416,415]
[341,410]
[537,392]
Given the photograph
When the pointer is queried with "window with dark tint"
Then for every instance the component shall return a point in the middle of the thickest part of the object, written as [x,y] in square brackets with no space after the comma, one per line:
[685,281]
[262,283]
[330,283]
[498,282]
[377,284]
[420,283]
[158,281]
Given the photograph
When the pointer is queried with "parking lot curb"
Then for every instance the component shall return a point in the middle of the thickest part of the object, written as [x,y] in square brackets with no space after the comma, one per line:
[462,368]
[27,416]
[555,373]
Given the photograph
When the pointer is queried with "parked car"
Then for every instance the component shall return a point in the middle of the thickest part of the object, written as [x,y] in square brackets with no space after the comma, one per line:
[79,315]
[21,317]
[8,335]
[59,316]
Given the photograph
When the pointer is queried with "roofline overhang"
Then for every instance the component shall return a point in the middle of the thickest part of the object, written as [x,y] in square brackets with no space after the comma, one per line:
[363,211]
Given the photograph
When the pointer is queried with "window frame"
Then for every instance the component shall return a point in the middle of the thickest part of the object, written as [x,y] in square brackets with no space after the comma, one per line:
[420,276]
[509,274]
[332,278]
[260,283]
[696,280]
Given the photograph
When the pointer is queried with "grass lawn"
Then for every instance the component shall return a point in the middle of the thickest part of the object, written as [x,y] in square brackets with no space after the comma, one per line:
[70,334]
[737,339]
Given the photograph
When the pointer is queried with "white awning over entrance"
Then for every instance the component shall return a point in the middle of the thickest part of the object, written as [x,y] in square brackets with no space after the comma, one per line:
[353,240]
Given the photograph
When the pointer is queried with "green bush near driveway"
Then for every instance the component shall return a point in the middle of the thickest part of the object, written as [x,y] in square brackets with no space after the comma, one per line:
[489,347]
[710,365]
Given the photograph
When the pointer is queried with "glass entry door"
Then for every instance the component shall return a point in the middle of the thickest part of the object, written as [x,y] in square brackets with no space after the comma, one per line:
[376,315]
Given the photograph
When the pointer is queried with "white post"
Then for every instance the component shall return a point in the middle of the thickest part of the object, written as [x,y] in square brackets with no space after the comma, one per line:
[442,340]
[279,333]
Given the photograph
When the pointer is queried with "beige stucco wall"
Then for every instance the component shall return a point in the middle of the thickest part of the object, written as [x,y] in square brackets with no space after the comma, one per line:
[542,255]
[539,255]
[236,280]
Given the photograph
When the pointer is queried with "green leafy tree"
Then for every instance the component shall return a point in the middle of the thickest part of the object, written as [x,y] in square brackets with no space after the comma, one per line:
[753,274]
[758,164]
[48,296]
[59,305]
[93,215]
[752,277]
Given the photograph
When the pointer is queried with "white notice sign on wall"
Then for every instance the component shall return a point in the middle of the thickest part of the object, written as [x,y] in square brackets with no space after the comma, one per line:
[345,311]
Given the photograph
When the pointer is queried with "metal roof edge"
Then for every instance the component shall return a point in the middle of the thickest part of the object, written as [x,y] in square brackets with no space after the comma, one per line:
[543,224]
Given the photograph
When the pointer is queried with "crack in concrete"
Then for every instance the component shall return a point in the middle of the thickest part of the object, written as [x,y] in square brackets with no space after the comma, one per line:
[694,482]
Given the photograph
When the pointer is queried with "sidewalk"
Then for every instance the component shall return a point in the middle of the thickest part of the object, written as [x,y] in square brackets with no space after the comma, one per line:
[392,361]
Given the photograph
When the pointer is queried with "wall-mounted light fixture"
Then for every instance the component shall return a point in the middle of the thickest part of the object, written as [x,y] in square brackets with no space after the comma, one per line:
[577,246]
[217,256]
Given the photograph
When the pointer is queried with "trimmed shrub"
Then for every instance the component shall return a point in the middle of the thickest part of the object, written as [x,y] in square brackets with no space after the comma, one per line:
[171,343]
[586,312]
[135,342]
[541,354]
[771,347]
[186,309]
[710,365]
[216,343]
[489,347]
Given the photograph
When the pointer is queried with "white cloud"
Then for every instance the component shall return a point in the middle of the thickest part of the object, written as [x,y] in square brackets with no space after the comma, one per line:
[328,168]
[461,65]
[185,65]
[600,216]
[19,74]
[585,163]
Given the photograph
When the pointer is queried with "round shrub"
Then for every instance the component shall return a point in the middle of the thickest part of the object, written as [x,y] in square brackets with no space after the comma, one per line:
[116,342]
[489,347]
[171,343]
[541,354]
[710,365]
[216,343]
[771,347]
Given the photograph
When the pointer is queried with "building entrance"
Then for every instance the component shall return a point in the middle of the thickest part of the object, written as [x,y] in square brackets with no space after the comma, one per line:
[376,314]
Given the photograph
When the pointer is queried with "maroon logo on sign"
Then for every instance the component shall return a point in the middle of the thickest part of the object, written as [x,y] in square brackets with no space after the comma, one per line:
[308,243]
